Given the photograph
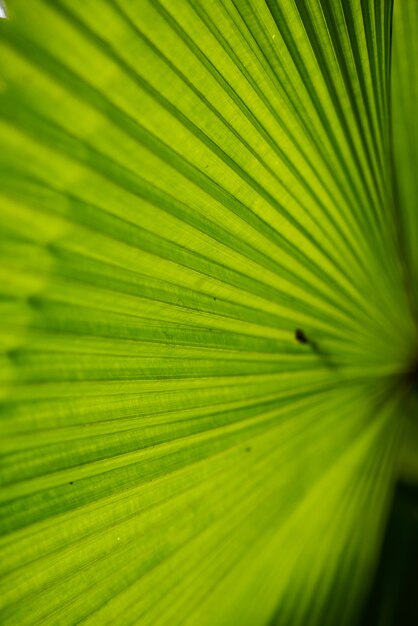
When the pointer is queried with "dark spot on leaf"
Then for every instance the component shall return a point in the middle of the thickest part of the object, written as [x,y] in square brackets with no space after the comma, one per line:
[14,354]
[300,336]
[52,248]
[34,302]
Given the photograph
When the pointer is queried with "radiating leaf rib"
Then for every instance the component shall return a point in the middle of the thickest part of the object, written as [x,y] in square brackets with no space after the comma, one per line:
[405,132]
[183,185]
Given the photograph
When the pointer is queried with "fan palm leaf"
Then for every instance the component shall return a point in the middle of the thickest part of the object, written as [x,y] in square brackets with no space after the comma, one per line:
[208,322]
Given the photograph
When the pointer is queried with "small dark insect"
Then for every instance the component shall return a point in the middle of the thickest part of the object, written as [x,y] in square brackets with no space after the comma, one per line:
[300,336]
[71,482]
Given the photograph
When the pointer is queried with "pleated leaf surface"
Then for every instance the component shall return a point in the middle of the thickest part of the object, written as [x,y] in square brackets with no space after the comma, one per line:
[183,186]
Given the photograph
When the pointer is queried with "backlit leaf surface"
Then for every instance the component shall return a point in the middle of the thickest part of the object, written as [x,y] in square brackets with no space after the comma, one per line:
[183,185]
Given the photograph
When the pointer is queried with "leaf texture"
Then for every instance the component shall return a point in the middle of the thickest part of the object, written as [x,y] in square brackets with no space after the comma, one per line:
[405,134]
[183,185]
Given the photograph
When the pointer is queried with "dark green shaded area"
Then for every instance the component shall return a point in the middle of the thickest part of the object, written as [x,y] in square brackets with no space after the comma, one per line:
[393,597]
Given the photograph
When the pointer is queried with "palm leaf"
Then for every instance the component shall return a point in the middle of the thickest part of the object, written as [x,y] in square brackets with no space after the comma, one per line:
[183,186]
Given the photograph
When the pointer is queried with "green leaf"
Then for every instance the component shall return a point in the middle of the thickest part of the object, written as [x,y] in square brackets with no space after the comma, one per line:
[405,137]
[206,306]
